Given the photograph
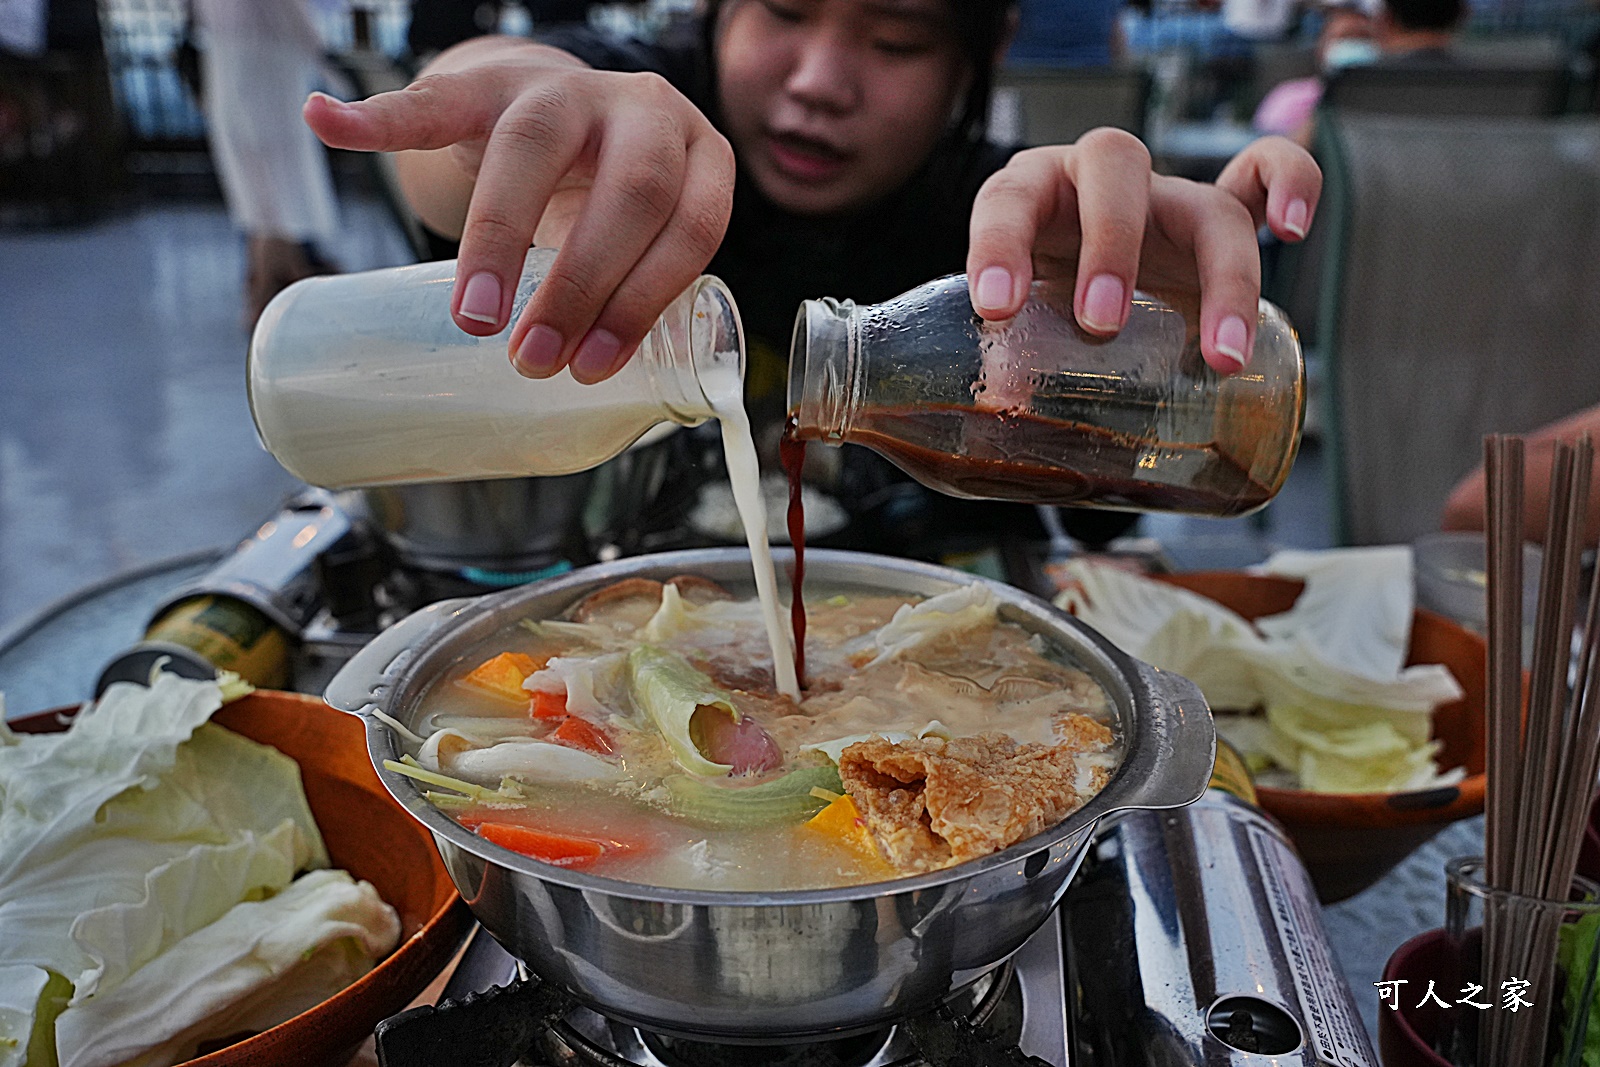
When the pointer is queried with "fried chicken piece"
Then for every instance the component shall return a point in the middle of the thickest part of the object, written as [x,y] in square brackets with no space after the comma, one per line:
[932,803]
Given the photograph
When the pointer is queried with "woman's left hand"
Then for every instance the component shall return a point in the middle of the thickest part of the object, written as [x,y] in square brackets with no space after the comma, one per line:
[1094,210]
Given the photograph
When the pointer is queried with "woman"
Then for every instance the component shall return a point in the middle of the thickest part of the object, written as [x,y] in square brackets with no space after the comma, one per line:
[843,140]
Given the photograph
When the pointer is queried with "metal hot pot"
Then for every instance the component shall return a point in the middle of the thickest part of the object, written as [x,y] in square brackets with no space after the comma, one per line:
[772,966]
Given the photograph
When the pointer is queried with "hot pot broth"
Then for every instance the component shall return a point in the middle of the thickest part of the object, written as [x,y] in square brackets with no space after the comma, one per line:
[641,737]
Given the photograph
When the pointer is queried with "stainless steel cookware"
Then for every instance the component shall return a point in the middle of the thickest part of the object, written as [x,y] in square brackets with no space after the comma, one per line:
[772,966]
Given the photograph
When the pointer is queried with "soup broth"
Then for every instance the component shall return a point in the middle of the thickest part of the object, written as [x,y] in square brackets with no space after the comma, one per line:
[642,737]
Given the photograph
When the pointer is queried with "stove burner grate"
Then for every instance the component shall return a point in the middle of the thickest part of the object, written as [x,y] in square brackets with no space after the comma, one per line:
[530,1023]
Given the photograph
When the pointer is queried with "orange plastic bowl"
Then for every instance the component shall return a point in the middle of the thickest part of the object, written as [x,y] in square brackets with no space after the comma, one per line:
[370,836]
[1350,840]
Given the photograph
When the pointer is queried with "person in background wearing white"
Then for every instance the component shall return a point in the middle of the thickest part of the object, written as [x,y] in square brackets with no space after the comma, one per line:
[259,59]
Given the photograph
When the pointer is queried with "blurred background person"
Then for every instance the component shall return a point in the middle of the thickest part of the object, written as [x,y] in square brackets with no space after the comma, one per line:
[1467,508]
[1346,38]
[1418,32]
[259,59]
[1398,33]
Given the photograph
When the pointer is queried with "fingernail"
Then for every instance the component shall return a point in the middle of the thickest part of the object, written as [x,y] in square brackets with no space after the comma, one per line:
[538,353]
[331,101]
[595,355]
[1233,340]
[1104,303]
[994,289]
[1295,217]
[480,300]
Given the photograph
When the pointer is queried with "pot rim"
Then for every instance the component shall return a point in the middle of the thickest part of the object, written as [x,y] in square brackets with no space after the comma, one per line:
[1113,668]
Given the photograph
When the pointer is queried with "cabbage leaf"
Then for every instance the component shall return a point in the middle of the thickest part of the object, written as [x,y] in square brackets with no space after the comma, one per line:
[130,832]
[914,625]
[669,690]
[587,682]
[1341,712]
[1355,609]
[298,943]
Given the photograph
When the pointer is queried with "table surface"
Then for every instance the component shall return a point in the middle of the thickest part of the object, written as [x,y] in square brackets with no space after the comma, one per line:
[53,658]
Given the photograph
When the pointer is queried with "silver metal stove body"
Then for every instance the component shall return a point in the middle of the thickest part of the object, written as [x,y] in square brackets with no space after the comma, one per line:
[1194,937]
[1032,981]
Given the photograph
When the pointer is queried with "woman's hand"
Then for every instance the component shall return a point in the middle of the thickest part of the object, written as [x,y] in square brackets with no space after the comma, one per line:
[506,141]
[1095,211]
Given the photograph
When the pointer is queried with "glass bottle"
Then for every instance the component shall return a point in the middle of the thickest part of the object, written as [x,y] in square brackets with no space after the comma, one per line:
[364,380]
[1037,410]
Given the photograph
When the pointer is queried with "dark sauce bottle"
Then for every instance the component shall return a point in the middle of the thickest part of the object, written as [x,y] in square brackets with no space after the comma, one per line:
[1037,411]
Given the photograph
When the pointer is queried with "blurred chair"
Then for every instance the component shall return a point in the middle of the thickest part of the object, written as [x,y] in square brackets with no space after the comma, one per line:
[1515,77]
[1470,88]
[1048,105]
[1463,263]
[1272,63]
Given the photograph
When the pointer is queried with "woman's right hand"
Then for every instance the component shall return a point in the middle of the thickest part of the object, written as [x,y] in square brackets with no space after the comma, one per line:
[506,141]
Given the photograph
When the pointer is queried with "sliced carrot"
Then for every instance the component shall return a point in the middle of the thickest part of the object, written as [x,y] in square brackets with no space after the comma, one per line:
[562,850]
[580,733]
[503,675]
[548,705]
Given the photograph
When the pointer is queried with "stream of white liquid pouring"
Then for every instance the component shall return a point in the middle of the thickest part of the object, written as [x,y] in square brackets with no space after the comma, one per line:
[726,393]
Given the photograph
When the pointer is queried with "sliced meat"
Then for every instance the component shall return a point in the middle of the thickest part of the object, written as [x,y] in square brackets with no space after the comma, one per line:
[932,803]
[744,745]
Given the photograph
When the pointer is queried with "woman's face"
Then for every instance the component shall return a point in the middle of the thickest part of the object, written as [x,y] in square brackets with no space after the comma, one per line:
[831,104]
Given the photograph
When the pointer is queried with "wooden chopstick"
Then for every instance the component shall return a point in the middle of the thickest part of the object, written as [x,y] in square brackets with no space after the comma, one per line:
[1541,766]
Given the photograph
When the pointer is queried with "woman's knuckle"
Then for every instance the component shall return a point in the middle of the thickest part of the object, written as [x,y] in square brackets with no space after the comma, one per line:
[652,86]
[1110,139]
[581,287]
[703,227]
[532,127]
[722,157]
[1007,185]
[653,189]
[496,229]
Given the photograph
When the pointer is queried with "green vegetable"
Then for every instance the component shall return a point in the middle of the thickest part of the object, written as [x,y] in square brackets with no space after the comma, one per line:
[670,690]
[409,767]
[120,839]
[52,1002]
[1577,955]
[787,799]
[449,802]
[1341,711]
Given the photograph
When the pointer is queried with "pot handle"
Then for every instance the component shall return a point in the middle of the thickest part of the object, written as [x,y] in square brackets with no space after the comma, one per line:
[1187,751]
[364,681]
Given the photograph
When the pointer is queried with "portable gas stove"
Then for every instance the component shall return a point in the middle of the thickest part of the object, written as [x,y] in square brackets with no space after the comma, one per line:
[1190,937]
[493,1012]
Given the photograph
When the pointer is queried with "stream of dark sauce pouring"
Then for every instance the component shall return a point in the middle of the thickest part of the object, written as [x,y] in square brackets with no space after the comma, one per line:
[792,454]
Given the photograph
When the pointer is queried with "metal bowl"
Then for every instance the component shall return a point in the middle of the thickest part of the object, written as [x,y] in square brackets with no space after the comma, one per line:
[773,966]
